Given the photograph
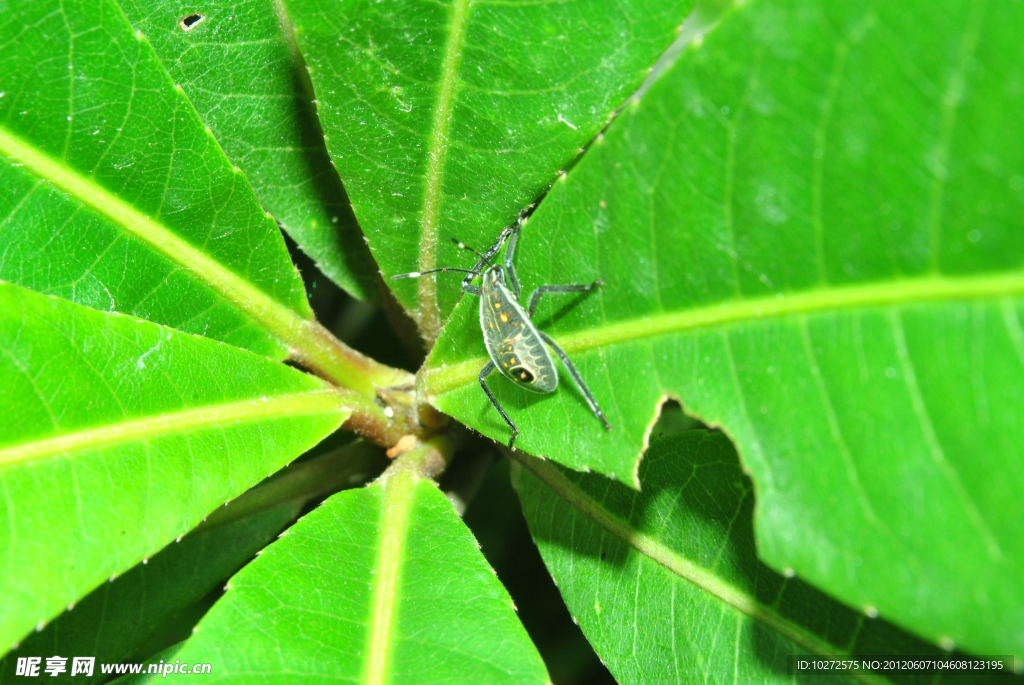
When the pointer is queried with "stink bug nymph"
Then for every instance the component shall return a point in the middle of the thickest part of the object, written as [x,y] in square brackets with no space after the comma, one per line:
[518,350]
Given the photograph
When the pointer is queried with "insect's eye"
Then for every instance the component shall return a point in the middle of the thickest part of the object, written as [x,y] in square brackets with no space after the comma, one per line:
[521,374]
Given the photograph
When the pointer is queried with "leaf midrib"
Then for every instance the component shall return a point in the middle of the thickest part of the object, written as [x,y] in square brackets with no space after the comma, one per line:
[428,314]
[255,302]
[395,521]
[304,338]
[677,564]
[175,423]
[902,292]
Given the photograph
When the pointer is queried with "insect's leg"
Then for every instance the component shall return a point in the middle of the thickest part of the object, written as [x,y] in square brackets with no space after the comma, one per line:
[535,297]
[510,267]
[484,372]
[576,377]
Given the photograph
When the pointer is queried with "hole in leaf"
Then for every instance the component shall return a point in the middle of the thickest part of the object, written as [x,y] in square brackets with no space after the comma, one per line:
[190,21]
[672,419]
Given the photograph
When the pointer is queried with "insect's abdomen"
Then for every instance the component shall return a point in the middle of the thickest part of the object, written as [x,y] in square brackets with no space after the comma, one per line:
[513,343]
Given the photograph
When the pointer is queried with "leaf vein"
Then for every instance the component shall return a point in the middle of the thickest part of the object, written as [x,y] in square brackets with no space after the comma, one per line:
[931,440]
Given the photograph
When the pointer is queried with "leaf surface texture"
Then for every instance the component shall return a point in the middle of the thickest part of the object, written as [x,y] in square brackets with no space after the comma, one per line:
[446,118]
[119,435]
[809,231]
[666,583]
[265,119]
[383,584]
[116,195]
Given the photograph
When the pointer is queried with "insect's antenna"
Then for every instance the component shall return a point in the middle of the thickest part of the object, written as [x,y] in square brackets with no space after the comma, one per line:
[417,274]
[464,246]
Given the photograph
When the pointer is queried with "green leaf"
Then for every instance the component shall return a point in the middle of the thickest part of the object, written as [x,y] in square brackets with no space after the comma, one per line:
[666,583]
[810,231]
[113,621]
[119,435]
[240,67]
[444,119]
[380,584]
[115,194]
[121,618]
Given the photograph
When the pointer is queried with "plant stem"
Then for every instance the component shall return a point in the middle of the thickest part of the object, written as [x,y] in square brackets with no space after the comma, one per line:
[314,347]
[427,460]
[370,421]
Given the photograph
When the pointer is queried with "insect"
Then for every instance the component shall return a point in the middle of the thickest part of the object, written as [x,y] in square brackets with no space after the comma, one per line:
[518,350]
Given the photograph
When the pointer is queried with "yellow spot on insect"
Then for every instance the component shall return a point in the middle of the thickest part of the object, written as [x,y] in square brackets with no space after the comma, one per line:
[523,376]
[512,360]
[505,364]
[497,305]
[504,318]
[509,348]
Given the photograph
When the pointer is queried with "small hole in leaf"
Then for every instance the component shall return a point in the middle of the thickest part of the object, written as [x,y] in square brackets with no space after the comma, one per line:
[189,22]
